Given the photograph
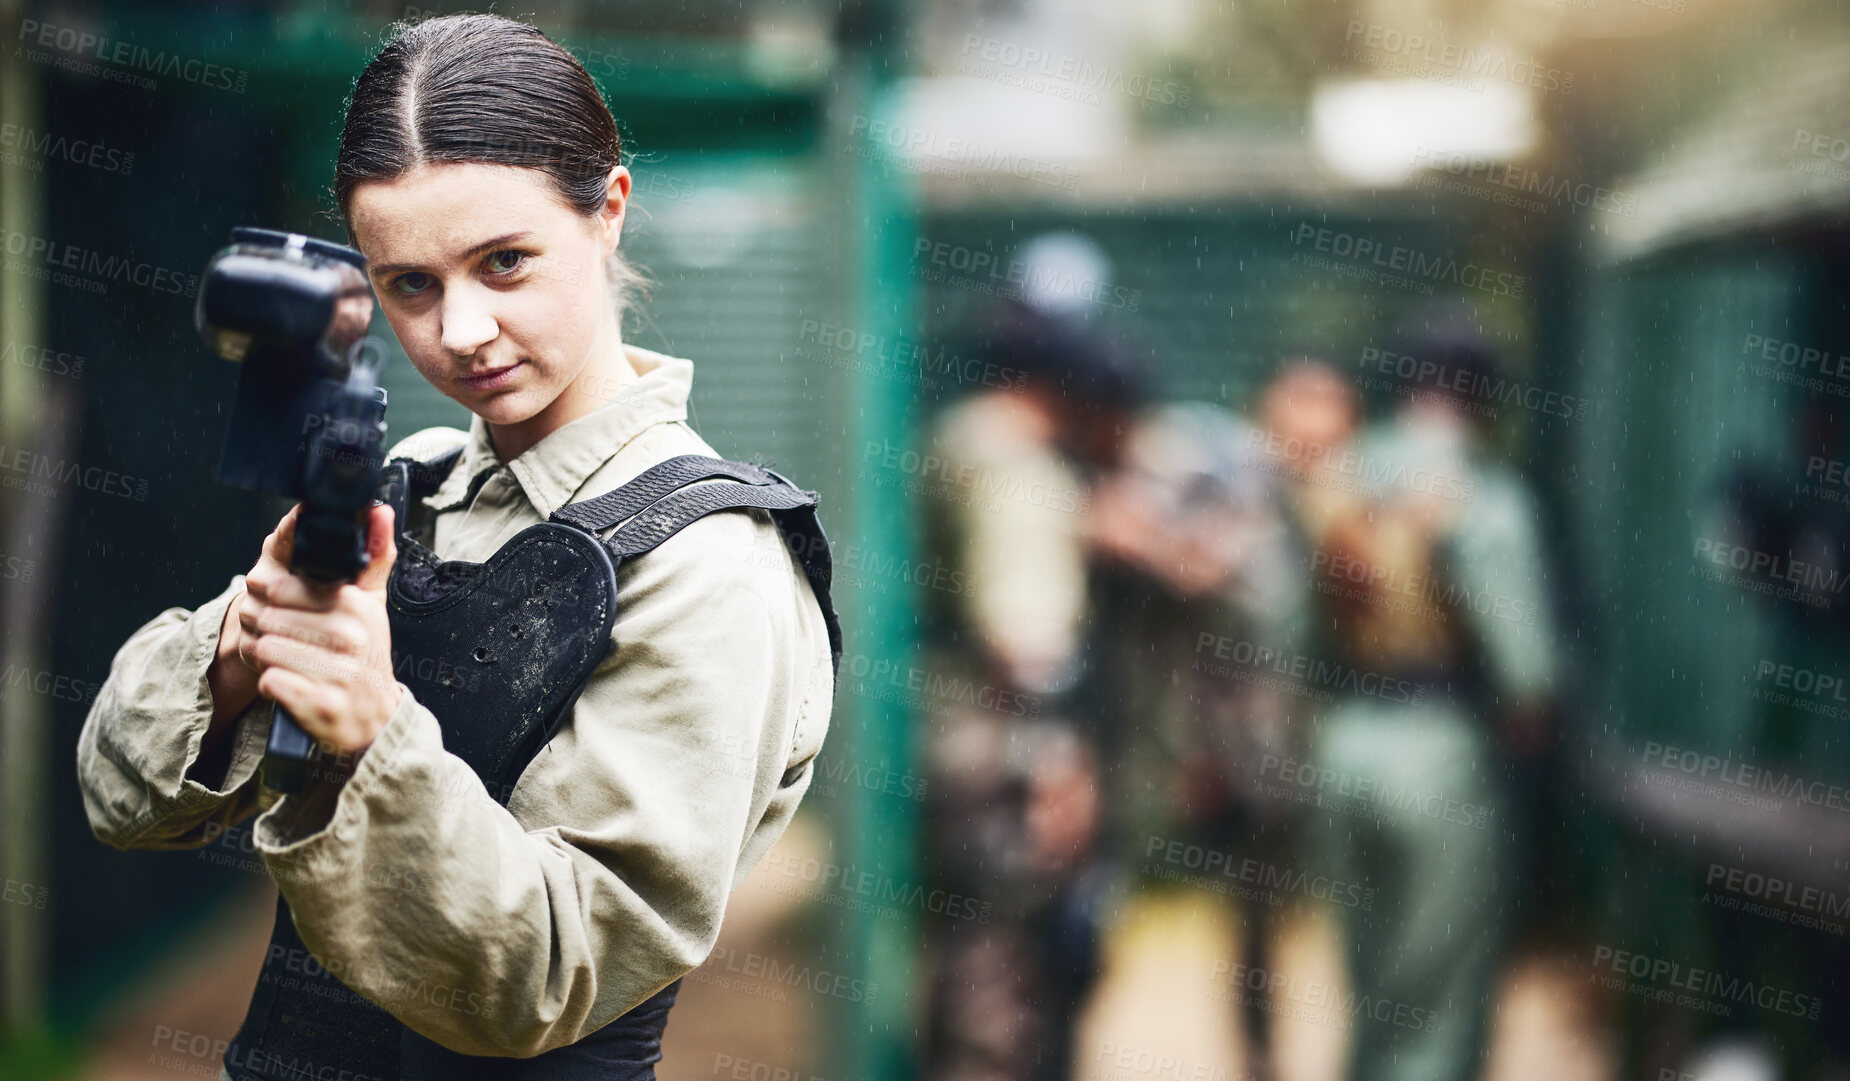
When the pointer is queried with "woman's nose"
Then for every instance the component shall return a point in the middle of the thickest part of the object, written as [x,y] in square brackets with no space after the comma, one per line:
[467,323]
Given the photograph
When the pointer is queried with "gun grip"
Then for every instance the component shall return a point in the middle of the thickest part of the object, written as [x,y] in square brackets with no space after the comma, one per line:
[286,757]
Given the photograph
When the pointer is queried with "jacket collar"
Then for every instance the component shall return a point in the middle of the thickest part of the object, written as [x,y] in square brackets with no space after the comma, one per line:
[551,471]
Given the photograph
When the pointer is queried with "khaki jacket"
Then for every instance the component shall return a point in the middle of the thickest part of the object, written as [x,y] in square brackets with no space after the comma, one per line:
[512,931]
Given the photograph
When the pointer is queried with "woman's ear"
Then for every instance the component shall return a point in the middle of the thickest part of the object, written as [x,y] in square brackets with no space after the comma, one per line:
[616,201]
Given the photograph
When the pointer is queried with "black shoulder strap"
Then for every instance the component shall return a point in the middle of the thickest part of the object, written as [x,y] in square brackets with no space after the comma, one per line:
[681,508]
[668,496]
[652,484]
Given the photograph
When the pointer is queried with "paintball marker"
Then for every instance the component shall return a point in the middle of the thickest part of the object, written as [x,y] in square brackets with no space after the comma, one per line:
[308,422]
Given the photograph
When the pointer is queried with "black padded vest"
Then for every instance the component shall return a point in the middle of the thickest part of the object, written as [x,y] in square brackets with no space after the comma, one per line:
[499,651]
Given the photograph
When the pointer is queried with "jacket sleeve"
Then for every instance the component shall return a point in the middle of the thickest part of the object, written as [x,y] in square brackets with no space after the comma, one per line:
[512,931]
[144,731]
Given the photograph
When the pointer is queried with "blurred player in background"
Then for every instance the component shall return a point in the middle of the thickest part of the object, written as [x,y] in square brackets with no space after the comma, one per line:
[1430,585]
[1014,802]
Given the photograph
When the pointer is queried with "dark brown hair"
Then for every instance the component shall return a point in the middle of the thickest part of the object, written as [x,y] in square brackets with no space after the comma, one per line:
[482,88]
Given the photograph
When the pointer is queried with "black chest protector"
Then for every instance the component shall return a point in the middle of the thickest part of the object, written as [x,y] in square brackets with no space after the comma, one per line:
[498,652]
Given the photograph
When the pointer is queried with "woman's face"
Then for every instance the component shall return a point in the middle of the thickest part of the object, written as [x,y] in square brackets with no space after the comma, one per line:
[494,286]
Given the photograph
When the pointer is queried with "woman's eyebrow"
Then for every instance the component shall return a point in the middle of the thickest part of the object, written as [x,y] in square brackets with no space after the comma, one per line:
[491,242]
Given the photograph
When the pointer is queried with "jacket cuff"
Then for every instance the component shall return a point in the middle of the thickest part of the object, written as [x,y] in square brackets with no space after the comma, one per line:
[248,742]
[252,732]
[311,834]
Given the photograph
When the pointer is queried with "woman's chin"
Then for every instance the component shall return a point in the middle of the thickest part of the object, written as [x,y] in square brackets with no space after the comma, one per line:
[502,409]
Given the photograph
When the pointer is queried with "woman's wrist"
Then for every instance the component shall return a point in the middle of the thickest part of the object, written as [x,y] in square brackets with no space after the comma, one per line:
[232,682]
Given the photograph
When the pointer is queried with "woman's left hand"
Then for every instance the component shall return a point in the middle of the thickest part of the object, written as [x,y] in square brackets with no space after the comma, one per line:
[325,651]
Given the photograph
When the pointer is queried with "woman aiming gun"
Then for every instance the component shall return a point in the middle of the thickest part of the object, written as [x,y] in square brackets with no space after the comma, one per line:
[446,911]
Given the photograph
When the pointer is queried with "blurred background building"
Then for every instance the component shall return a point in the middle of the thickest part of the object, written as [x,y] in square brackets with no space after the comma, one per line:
[1643,205]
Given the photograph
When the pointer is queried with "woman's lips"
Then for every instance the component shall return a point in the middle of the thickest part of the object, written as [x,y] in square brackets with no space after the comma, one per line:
[491,380]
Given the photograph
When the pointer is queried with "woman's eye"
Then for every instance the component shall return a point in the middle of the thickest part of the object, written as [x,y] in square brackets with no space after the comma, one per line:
[413,283]
[506,261]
